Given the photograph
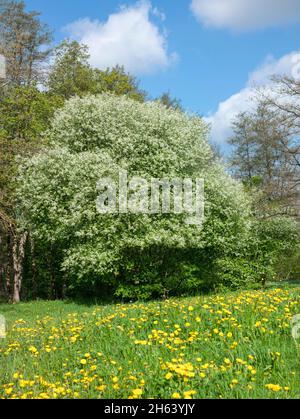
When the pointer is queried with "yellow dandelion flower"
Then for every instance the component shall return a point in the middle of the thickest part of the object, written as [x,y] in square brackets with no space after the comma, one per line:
[137,392]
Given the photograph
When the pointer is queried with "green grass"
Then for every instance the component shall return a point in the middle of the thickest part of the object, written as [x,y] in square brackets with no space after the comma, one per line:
[233,345]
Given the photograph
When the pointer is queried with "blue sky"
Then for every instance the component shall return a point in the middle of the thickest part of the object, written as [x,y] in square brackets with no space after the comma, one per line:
[206,52]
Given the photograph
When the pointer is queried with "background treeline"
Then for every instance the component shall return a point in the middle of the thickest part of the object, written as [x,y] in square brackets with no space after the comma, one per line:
[35,108]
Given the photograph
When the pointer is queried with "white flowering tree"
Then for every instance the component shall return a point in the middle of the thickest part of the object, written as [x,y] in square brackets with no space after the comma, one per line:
[134,255]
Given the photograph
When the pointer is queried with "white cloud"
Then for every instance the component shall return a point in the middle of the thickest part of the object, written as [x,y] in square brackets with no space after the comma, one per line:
[289,65]
[128,38]
[246,14]
[221,121]
[242,101]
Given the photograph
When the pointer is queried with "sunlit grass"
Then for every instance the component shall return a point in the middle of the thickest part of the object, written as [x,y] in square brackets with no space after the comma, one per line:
[224,346]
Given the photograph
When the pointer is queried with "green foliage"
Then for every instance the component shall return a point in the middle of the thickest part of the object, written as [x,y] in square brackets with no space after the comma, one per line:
[269,242]
[71,75]
[118,82]
[24,113]
[243,272]
[276,235]
[288,265]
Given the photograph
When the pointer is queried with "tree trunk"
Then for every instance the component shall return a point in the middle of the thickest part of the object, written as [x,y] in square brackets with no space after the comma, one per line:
[33,269]
[18,258]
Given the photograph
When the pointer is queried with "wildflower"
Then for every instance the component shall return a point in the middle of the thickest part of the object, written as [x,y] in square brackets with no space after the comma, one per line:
[273,387]
[137,392]
[101,388]
[44,396]
[8,391]
[189,394]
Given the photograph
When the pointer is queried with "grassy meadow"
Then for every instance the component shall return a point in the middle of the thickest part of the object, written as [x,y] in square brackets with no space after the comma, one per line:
[232,345]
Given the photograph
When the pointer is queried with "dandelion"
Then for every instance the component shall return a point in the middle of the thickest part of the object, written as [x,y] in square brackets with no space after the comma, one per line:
[8,391]
[137,392]
[189,394]
[101,388]
[273,387]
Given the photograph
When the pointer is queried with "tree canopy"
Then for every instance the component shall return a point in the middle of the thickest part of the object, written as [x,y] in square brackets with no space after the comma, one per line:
[96,137]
